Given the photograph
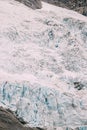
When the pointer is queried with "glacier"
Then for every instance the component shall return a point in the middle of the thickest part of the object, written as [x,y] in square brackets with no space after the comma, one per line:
[43,65]
[42,106]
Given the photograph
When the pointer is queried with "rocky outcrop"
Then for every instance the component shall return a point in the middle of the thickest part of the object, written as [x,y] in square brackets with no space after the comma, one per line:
[77,5]
[8,121]
[34,4]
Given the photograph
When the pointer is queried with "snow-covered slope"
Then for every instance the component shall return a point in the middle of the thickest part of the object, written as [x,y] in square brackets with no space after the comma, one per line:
[43,64]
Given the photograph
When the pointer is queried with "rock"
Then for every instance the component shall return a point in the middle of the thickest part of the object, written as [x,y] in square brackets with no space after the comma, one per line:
[8,121]
[34,4]
[77,5]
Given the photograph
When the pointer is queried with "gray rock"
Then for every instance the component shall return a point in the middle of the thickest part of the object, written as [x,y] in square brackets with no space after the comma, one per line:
[34,4]
[9,122]
[77,5]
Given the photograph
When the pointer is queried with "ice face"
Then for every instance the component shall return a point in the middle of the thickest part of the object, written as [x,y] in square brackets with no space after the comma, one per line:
[43,64]
[43,106]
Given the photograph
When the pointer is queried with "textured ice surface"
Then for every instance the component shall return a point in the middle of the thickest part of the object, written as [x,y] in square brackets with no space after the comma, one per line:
[43,106]
[43,64]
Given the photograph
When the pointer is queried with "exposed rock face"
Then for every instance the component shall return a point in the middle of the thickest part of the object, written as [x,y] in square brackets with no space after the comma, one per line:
[8,121]
[34,4]
[77,5]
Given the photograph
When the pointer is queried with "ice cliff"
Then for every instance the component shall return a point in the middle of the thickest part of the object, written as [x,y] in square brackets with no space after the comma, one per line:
[43,64]
[43,106]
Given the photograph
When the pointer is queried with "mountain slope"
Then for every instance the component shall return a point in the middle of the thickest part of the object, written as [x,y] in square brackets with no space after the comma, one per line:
[34,4]
[43,64]
[77,5]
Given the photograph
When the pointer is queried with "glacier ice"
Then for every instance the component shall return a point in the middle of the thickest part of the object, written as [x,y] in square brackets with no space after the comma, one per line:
[43,64]
[43,106]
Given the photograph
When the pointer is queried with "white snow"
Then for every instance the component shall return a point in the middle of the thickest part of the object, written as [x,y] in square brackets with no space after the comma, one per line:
[42,54]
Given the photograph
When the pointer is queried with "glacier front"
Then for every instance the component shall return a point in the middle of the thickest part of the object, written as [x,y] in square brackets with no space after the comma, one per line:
[43,65]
